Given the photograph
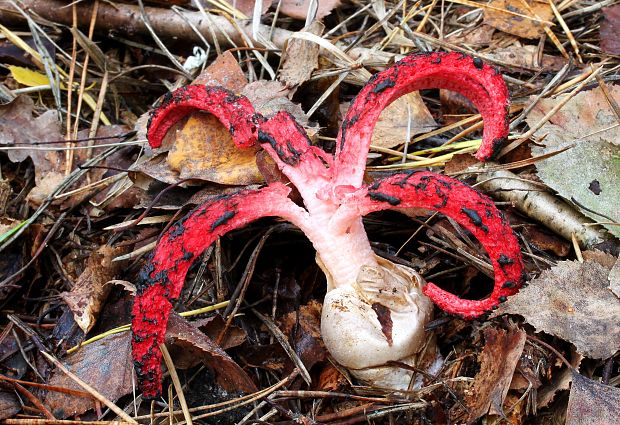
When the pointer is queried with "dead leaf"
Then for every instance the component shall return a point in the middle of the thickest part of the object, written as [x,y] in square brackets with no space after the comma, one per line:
[203,148]
[561,381]
[93,286]
[391,127]
[190,346]
[572,302]
[247,6]
[9,404]
[516,24]
[610,28]
[20,128]
[298,9]
[588,172]
[592,403]
[476,37]
[502,350]
[304,325]
[300,58]
[105,365]
[527,57]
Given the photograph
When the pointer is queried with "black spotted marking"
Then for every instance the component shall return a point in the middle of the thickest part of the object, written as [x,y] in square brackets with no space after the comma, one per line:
[496,146]
[505,260]
[383,85]
[405,180]
[475,219]
[137,338]
[294,152]
[223,219]
[502,299]
[436,60]
[146,279]
[495,307]
[176,230]
[231,97]
[509,284]
[187,255]
[383,197]
[346,124]
[268,138]
[478,63]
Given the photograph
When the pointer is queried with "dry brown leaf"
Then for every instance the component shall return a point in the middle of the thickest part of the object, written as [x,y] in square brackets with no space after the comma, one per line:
[203,148]
[514,24]
[21,128]
[561,381]
[592,403]
[93,286]
[502,350]
[304,325]
[610,28]
[300,58]
[527,57]
[479,36]
[391,128]
[298,9]
[190,346]
[9,404]
[572,301]
[105,365]
[247,6]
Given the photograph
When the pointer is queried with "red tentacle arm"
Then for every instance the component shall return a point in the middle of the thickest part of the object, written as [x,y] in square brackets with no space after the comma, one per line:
[452,71]
[236,113]
[307,167]
[466,206]
[161,279]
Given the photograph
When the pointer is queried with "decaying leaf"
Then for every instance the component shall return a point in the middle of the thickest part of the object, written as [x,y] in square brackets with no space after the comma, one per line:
[589,172]
[498,360]
[203,148]
[247,6]
[9,404]
[391,127]
[528,57]
[610,28]
[105,365]
[298,9]
[191,346]
[572,301]
[93,286]
[592,403]
[517,22]
[300,58]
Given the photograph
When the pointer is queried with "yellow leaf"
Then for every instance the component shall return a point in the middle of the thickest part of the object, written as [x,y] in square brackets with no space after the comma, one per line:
[28,77]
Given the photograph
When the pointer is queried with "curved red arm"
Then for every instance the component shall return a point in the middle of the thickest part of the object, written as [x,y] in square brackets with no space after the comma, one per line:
[163,275]
[479,82]
[235,112]
[466,206]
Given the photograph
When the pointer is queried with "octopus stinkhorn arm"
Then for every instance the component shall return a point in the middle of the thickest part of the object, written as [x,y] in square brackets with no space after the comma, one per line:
[480,83]
[372,305]
[161,280]
[466,206]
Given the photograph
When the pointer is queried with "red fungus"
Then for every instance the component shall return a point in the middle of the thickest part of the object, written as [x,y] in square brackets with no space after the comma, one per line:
[335,201]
